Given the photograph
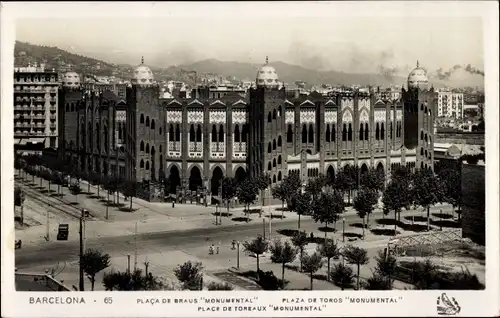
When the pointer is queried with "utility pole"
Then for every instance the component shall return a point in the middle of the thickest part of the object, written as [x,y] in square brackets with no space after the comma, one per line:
[82,288]
[135,246]
[48,226]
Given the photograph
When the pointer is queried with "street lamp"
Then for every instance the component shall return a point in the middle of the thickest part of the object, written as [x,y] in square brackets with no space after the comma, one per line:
[216,208]
[238,255]
[82,248]
[343,229]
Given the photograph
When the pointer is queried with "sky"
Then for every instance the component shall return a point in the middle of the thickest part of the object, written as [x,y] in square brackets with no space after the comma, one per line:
[314,39]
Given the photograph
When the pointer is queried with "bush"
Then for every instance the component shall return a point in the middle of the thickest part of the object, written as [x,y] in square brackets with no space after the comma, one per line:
[219,286]
[269,281]
[342,275]
[378,282]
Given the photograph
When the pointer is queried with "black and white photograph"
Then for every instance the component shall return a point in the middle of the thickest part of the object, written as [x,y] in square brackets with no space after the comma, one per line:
[259,148]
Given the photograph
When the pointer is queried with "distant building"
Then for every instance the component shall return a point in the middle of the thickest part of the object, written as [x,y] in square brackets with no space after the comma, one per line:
[35,109]
[450,105]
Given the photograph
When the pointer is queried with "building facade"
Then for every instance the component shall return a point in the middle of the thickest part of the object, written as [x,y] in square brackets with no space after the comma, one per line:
[450,105]
[35,109]
[196,141]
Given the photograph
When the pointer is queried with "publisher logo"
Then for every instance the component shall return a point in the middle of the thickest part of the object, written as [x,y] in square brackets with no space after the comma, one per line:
[447,306]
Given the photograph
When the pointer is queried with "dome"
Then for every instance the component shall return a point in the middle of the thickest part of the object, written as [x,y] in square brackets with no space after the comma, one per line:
[267,76]
[71,79]
[418,78]
[142,75]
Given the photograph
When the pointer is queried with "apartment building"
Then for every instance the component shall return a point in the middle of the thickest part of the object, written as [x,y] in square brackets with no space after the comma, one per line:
[35,108]
[450,105]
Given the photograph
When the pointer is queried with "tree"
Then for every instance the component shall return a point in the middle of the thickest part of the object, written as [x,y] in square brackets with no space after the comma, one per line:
[356,255]
[130,190]
[228,190]
[327,207]
[342,276]
[302,205]
[364,203]
[427,190]
[58,179]
[190,275]
[262,181]
[95,179]
[75,189]
[282,253]
[213,286]
[258,247]
[291,186]
[386,265]
[247,193]
[396,196]
[113,184]
[92,262]
[315,186]
[312,264]
[329,250]
[125,281]
[378,282]
[452,188]
[299,240]
[346,180]
[372,179]
[279,193]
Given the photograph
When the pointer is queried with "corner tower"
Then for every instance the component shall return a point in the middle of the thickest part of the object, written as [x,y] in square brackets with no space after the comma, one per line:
[267,125]
[419,110]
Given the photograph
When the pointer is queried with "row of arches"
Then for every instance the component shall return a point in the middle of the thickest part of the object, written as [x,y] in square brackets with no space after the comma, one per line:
[174,134]
[274,163]
[147,122]
[87,135]
[275,114]
[274,145]
[146,148]
[425,137]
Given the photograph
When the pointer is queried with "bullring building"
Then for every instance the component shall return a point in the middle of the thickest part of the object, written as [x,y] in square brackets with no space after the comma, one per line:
[196,141]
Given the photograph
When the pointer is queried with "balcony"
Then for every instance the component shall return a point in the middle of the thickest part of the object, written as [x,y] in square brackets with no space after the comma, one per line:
[18,107]
[52,126]
[53,117]
[53,108]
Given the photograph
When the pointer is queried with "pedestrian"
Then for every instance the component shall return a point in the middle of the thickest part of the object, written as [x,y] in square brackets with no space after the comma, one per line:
[173,203]
[233,243]
[218,245]
[211,250]
[312,236]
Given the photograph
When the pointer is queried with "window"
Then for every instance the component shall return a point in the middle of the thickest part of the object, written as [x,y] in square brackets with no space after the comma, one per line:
[160,152]
[274,114]
[274,178]
[361,132]
[421,106]
[289,134]
[390,130]
[421,151]
[333,132]
[366,131]
[269,117]
[274,162]
[152,124]
[159,131]
[279,111]
[147,165]
[198,133]
[178,133]
[244,133]
[147,148]
[279,176]
[141,147]
[344,132]
[279,159]
[141,165]
[349,133]
[311,133]
[269,166]
[327,133]
[214,134]
[171,135]
[142,119]
[67,107]
[421,135]
[279,141]
[237,133]
[192,134]
[377,132]
[382,131]
[221,133]
[304,134]
[269,147]
[147,121]
[274,144]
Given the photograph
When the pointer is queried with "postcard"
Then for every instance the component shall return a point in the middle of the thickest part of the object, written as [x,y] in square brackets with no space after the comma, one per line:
[253,159]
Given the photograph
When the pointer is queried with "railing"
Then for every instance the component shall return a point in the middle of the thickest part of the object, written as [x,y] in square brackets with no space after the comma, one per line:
[45,280]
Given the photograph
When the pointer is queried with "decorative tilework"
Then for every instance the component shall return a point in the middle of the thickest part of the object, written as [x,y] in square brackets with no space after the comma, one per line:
[195,116]
[307,116]
[363,116]
[347,102]
[330,117]
[380,116]
[289,117]
[217,117]
[347,117]
[174,117]
[399,114]
[239,117]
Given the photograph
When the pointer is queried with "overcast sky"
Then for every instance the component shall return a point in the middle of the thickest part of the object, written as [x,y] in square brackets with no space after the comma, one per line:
[310,37]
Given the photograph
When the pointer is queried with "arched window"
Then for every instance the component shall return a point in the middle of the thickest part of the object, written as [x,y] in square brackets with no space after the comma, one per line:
[390,129]
[361,132]
[421,106]
[147,165]
[279,111]
[73,108]
[274,162]
[171,135]
[274,178]
[425,110]
[279,176]
[237,133]
[289,134]
[279,159]
[344,132]
[153,152]
[147,148]
[274,144]
[192,134]
[67,107]
[327,133]
[160,150]
[366,131]
[349,132]
[304,134]
[421,135]
[269,117]
[311,133]
[244,133]
[142,119]
[141,147]
[153,124]
[377,132]
[279,141]
[274,113]
[269,166]
[421,151]
[269,147]
[98,135]
[214,133]
[147,121]
[426,153]
[382,131]
[159,131]
[221,133]
[198,133]
[334,132]
[119,130]
[177,132]
[141,165]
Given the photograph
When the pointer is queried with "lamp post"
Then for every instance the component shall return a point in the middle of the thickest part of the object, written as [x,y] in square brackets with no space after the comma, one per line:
[128,263]
[343,229]
[270,223]
[82,249]
[264,228]
[238,255]
[216,221]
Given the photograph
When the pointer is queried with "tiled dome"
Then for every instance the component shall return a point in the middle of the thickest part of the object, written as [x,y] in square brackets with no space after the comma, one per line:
[267,76]
[142,75]
[418,78]
[71,80]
